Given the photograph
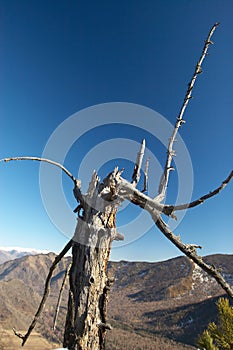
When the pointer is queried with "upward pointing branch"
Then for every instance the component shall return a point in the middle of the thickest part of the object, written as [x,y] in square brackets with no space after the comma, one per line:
[138,164]
[146,176]
[179,121]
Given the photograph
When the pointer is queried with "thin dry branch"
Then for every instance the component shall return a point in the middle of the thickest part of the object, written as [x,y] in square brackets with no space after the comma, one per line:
[169,209]
[138,164]
[190,251]
[145,182]
[42,160]
[46,293]
[179,121]
[127,191]
[60,295]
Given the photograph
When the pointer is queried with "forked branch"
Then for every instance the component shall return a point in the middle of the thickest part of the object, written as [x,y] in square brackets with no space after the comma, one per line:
[179,121]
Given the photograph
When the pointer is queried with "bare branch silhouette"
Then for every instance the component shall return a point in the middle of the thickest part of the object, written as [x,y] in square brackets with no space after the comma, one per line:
[145,182]
[42,160]
[169,209]
[138,164]
[179,121]
[60,295]
[190,251]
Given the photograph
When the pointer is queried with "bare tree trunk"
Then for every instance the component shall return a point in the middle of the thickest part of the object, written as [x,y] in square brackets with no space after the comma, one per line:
[89,284]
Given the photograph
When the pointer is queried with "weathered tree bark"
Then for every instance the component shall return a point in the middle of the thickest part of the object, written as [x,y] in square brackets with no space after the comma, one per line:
[86,322]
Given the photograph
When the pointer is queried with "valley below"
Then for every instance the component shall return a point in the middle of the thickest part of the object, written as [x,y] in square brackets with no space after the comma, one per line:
[162,305]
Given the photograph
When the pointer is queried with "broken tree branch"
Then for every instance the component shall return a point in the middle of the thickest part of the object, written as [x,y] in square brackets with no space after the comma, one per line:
[42,160]
[169,209]
[60,295]
[190,251]
[46,293]
[128,191]
[179,121]
[138,164]
[145,183]
[77,183]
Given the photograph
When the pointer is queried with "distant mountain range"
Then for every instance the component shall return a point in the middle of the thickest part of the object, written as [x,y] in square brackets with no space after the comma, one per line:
[11,253]
[163,305]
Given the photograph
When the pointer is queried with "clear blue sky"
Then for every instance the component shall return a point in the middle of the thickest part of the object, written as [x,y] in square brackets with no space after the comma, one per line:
[59,57]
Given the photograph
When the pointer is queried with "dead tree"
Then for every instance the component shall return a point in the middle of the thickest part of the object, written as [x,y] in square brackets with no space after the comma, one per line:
[89,284]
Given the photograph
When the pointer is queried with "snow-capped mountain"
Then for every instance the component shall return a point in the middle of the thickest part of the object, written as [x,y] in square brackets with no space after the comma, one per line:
[11,253]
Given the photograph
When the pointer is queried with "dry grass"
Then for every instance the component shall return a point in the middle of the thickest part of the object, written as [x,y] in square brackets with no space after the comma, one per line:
[150,304]
[8,341]
[119,339]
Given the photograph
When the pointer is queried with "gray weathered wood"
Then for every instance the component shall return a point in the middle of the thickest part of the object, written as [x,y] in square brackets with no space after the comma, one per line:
[86,321]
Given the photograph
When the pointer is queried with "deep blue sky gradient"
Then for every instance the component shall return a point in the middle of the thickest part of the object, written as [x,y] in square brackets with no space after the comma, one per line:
[58,57]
